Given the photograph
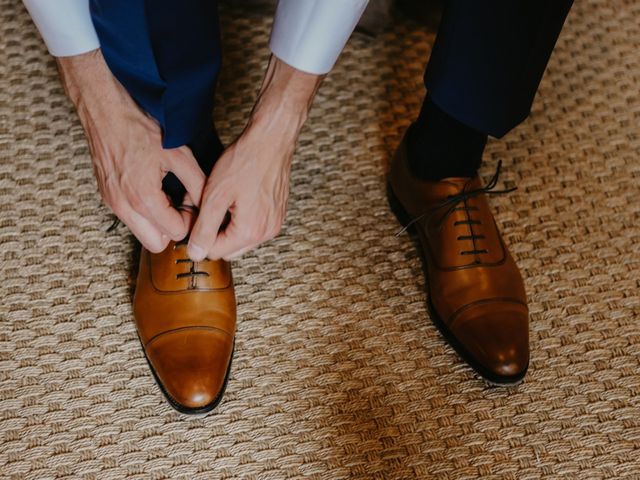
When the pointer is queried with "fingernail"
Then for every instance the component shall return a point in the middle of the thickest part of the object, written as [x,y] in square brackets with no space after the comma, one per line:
[195,252]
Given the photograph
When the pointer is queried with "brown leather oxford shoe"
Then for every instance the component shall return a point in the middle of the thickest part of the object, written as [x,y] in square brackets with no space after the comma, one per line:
[476,294]
[185,313]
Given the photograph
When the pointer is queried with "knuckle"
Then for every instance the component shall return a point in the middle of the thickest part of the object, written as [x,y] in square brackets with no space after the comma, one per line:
[135,201]
[253,236]
[108,193]
[118,207]
[275,231]
[214,196]
[276,227]
[138,202]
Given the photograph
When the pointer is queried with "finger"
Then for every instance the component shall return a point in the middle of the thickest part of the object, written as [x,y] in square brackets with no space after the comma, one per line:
[207,226]
[159,211]
[184,166]
[238,253]
[151,238]
[230,241]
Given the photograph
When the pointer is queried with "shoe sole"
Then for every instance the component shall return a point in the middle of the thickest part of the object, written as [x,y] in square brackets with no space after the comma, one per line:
[488,376]
[197,412]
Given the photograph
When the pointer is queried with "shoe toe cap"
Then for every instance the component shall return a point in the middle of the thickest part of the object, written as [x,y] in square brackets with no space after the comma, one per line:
[496,337]
[191,365]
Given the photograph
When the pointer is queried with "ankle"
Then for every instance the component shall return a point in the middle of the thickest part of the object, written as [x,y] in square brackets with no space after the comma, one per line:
[439,146]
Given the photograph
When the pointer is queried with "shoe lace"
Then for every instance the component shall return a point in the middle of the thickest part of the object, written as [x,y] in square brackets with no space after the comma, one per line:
[452,204]
[181,244]
[192,265]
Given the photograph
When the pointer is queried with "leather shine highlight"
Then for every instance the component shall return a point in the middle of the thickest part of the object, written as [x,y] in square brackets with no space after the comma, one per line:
[478,297]
[185,313]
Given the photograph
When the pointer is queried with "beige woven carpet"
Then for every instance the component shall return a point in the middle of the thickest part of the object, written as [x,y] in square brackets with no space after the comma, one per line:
[338,371]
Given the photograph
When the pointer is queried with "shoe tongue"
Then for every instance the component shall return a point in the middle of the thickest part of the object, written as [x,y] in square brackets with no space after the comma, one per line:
[451,186]
[172,271]
[459,181]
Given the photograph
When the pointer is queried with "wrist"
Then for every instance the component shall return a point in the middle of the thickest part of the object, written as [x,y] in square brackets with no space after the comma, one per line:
[287,90]
[95,92]
[284,101]
[84,75]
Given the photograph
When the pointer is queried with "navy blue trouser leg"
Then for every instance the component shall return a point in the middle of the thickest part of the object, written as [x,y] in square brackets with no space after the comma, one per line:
[489,57]
[167,55]
[484,70]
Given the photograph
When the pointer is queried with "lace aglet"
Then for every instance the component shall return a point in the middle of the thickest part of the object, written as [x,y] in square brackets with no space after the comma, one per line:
[114,225]
[401,231]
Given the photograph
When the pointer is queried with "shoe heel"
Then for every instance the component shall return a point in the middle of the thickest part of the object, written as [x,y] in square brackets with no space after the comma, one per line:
[398,210]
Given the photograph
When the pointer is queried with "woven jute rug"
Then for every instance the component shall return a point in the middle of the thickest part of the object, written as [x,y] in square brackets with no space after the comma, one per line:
[339,372]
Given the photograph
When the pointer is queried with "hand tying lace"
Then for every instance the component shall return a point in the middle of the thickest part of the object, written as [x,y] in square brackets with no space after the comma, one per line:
[180,244]
[183,208]
[183,244]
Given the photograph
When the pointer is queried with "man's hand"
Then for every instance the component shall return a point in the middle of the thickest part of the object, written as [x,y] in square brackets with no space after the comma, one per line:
[251,178]
[128,159]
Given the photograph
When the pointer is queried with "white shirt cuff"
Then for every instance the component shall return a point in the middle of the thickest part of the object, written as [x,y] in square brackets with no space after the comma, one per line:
[65,25]
[310,34]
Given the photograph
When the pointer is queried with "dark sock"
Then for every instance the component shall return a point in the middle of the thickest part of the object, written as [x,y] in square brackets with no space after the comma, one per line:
[439,146]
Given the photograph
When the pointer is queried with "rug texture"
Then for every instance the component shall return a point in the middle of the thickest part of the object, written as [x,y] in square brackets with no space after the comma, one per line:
[339,372]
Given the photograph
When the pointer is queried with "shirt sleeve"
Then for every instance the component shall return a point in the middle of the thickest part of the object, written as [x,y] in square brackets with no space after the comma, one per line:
[65,25]
[310,34]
